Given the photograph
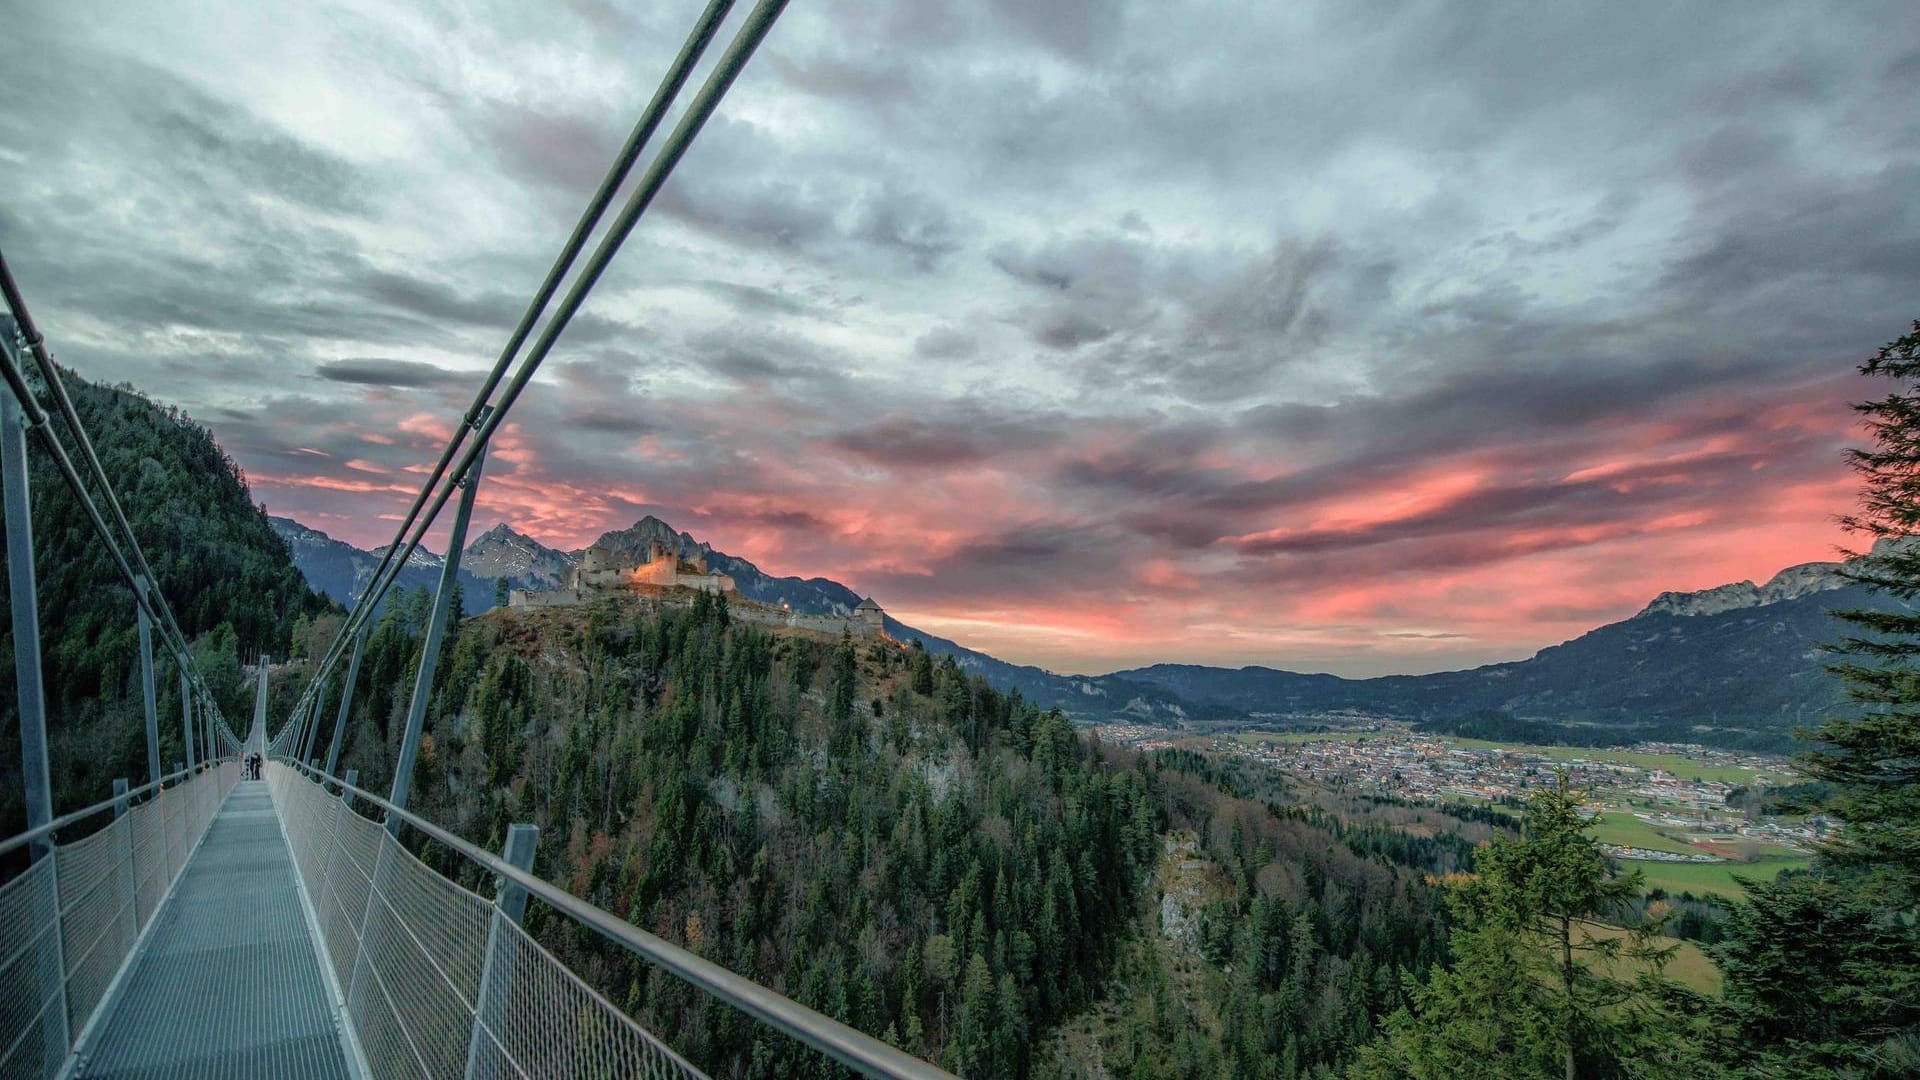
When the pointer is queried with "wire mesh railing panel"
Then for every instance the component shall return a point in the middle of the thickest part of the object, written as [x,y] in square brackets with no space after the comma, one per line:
[96,914]
[410,949]
[376,1022]
[31,1041]
[449,923]
[357,843]
[171,801]
[423,944]
[319,847]
[309,835]
[149,858]
[541,1020]
[69,922]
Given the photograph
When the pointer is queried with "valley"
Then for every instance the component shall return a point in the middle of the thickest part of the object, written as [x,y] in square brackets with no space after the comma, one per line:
[1662,809]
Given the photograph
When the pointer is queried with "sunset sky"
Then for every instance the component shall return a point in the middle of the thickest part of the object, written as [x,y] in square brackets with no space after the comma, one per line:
[1347,337]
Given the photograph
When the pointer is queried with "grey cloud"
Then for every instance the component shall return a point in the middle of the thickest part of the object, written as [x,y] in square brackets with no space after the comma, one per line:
[610,421]
[1024,563]
[568,152]
[1079,29]
[437,301]
[959,435]
[909,223]
[883,83]
[380,371]
[754,300]
[945,343]
[1538,231]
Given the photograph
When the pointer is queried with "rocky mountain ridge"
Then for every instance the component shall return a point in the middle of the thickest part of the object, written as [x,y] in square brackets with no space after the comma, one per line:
[1789,584]
[1740,664]
[340,570]
[501,552]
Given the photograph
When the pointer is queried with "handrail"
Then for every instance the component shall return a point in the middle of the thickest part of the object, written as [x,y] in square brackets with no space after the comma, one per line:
[54,826]
[844,1044]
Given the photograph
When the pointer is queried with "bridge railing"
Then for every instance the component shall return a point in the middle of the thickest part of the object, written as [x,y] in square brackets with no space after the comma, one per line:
[69,923]
[440,981]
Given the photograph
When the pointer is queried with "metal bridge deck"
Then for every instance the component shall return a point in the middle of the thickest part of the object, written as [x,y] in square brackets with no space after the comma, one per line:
[228,984]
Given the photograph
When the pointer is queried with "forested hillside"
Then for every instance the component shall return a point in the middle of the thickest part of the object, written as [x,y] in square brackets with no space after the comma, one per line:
[868,829]
[216,560]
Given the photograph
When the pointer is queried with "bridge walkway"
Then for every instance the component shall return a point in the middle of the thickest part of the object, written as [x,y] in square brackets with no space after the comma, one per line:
[228,984]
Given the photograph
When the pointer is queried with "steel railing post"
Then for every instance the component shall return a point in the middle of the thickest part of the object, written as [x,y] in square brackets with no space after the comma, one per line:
[259,731]
[146,681]
[24,595]
[346,698]
[436,629]
[186,716]
[496,970]
[302,747]
[24,598]
[133,883]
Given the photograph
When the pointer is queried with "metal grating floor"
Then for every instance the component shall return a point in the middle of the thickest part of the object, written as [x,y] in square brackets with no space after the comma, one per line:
[229,985]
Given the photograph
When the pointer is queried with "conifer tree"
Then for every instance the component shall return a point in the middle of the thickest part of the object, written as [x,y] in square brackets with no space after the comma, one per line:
[1873,760]
[1823,968]
[1538,986]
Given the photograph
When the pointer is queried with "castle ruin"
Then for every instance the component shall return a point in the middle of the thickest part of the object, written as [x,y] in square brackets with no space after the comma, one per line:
[602,572]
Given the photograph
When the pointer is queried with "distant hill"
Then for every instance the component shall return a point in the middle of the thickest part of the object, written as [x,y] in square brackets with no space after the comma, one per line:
[342,571]
[1102,697]
[1732,666]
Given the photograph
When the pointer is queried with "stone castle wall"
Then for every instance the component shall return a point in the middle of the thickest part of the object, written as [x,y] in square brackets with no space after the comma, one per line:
[544,598]
[601,573]
[860,624]
[826,624]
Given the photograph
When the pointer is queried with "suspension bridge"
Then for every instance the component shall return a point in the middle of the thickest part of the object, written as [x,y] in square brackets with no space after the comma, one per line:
[250,912]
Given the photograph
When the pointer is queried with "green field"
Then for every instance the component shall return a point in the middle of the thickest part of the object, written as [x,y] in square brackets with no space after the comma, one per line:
[1688,965]
[1612,827]
[1716,878]
[1678,764]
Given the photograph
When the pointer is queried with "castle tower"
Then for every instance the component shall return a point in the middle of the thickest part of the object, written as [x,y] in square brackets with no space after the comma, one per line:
[868,618]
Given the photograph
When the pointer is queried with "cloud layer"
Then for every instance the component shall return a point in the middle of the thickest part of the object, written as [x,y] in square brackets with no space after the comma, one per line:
[1367,338]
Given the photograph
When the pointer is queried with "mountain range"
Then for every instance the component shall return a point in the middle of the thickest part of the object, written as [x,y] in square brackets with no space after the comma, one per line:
[341,571]
[1735,665]
[1739,664]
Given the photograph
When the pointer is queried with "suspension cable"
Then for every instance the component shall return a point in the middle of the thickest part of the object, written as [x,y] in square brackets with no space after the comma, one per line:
[719,81]
[37,421]
[149,599]
[669,88]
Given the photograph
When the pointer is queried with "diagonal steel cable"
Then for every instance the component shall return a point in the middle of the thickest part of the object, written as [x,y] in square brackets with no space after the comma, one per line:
[37,421]
[754,30]
[669,89]
[149,599]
